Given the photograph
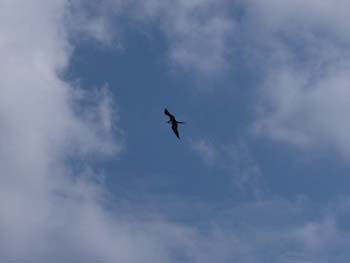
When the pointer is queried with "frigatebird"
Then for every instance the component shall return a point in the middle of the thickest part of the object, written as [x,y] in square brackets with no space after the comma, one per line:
[173,122]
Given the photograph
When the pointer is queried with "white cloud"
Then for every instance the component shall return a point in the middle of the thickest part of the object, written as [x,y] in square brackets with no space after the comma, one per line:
[40,129]
[308,112]
[90,20]
[305,58]
[198,32]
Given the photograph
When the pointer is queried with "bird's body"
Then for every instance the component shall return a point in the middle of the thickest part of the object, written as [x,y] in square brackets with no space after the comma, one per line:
[174,123]
[174,127]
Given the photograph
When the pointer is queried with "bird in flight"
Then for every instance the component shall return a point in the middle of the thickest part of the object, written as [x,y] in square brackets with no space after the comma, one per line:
[174,122]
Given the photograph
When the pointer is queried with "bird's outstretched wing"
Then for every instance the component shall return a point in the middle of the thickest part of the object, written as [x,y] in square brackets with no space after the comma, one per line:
[166,112]
[174,127]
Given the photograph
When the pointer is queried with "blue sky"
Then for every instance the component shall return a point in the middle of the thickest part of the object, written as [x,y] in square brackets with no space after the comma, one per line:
[143,84]
[93,173]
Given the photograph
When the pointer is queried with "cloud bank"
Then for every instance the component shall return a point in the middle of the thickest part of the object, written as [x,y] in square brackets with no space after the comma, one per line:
[44,207]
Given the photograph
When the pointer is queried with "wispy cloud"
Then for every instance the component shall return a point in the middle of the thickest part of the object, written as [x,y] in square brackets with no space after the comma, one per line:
[198,33]
[236,160]
[206,151]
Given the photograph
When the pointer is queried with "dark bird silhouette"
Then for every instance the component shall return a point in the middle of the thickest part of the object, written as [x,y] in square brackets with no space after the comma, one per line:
[174,122]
